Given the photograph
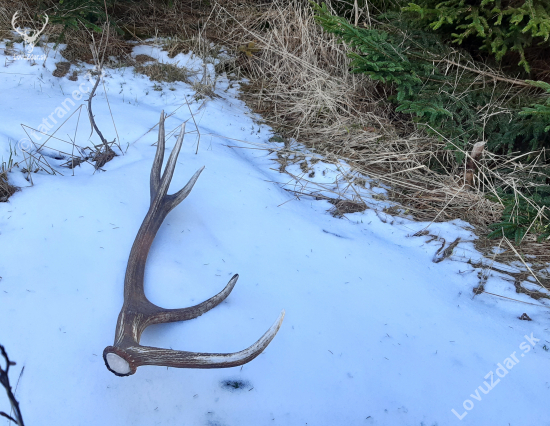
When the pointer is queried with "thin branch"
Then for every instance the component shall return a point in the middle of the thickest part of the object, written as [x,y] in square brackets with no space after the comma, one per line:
[8,417]
[91,115]
[488,74]
[5,381]
[112,118]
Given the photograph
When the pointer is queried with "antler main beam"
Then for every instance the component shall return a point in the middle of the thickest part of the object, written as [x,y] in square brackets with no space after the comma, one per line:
[137,313]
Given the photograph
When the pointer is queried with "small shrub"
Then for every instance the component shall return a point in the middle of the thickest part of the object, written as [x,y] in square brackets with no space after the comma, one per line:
[450,100]
[455,107]
[524,214]
[6,189]
[495,26]
[73,13]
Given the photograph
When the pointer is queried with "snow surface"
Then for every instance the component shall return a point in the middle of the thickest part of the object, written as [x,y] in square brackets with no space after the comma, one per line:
[375,332]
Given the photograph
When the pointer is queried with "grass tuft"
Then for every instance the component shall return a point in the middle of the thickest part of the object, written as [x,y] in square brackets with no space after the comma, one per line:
[164,72]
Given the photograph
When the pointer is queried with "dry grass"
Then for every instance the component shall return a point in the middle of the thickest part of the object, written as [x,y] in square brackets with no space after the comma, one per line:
[78,45]
[164,72]
[6,189]
[141,59]
[78,41]
[301,84]
[296,69]
[342,207]
[299,81]
[153,18]
[7,10]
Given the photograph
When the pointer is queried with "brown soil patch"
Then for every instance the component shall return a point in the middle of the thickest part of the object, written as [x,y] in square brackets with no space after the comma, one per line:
[61,69]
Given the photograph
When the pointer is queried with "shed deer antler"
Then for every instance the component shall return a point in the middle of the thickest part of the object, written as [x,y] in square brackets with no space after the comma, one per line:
[138,312]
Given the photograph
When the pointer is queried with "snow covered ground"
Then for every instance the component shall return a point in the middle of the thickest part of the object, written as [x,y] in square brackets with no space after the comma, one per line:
[375,332]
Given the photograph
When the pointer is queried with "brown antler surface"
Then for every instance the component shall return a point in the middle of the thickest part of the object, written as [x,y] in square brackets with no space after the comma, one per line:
[138,312]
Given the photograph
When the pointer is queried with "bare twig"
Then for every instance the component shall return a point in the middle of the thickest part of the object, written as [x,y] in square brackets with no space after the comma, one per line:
[487,74]
[101,158]
[5,381]
[91,115]
[112,118]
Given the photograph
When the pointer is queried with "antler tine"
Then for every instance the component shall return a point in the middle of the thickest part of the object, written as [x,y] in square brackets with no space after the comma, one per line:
[171,163]
[138,312]
[125,362]
[184,314]
[160,185]
[159,158]
[174,199]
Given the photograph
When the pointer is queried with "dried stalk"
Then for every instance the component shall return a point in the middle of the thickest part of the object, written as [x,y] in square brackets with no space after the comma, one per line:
[5,381]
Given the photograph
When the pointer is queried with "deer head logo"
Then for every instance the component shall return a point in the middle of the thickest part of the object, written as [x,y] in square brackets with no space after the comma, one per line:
[30,37]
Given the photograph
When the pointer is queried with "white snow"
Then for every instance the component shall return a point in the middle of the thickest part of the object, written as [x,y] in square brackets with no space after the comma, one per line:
[375,332]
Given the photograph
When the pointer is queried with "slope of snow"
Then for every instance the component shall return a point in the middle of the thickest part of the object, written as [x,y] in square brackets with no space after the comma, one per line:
[375,333]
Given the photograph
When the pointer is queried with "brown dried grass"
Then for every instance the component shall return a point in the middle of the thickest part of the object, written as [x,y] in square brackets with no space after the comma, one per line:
[78,44]
[301,84]
[6,189]
[299,81]
[8,8]
[164,72]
